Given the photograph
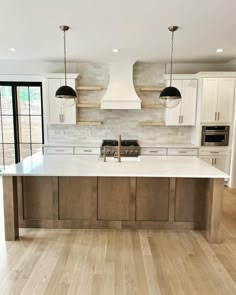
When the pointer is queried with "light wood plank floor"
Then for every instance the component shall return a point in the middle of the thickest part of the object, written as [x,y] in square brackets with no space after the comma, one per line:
[121,262]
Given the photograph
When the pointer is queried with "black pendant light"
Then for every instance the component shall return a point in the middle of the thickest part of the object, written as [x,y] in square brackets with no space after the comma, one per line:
[65,95]
[170,96]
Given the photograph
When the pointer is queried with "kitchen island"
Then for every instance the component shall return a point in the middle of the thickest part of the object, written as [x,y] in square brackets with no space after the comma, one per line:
[70,191]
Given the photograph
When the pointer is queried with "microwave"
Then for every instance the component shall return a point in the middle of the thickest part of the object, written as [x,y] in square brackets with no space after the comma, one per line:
[215,135]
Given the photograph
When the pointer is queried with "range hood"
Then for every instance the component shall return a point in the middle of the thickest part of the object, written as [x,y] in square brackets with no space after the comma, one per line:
[120,92]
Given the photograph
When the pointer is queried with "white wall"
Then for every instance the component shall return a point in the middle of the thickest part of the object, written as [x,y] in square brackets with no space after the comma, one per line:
[193,68]
[39,67]
[231,65]
[34,68]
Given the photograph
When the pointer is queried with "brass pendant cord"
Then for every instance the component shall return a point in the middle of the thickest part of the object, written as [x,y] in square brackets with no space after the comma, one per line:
[65,55]
[171,57]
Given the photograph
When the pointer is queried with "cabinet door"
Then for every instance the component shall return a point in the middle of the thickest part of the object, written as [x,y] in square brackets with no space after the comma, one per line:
[40,197]
[190,196]
[222,164]
[113,198]
[69,112]
[209,160]
[225,100]
[189,97]
[209,100]
[54,110]
[78,198]
[173,114]
[152,199]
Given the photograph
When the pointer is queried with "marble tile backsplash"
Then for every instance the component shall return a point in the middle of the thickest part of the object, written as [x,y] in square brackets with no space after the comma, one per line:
[115,122]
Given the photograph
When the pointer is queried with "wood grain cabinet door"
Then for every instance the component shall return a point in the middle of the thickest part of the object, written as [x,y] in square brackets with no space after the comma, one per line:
[40,197]
[113,198]
[78,198]
[152,199]
[190,199]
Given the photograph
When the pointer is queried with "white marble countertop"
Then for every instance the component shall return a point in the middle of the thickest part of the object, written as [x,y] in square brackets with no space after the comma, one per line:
[70,165]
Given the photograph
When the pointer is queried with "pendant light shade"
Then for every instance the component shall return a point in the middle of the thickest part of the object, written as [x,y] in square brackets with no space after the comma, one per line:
[65,95]
[170,96]
[65,92]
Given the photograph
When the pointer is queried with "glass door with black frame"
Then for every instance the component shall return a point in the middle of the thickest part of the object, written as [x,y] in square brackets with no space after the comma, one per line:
[21,113]
[7,138]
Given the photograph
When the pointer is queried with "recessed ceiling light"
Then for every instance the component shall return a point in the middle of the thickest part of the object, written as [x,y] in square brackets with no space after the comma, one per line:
[219,50]
[12,49]
[116,50]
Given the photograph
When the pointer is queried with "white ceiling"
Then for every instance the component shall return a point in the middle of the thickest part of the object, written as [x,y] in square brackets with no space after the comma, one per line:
[137,27]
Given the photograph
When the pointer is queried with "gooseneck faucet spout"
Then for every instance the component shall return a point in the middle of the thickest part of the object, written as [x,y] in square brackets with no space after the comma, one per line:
[118,153]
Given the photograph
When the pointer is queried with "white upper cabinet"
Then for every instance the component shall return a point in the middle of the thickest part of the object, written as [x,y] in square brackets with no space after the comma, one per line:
[226,100]
[56,113]
[185,113]
[217,100]
[54,109]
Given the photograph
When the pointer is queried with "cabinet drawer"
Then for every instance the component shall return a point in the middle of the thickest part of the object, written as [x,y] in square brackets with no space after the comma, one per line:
[153,151]
[58,150]
[87,151]
[214,153]
[182,152]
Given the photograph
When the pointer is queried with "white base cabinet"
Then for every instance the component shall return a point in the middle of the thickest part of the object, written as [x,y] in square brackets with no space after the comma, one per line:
[218,157]
[184,114]
[220,163]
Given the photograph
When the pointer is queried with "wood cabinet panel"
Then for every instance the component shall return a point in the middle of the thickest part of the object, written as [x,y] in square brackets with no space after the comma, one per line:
[113,198]
[77,198]
[190,199]
[40,197]
[152,198]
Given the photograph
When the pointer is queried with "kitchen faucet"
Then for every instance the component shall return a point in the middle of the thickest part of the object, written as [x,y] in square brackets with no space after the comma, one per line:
[118,153]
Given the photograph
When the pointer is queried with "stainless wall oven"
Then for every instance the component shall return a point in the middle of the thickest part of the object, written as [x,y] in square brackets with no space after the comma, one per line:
[215,135]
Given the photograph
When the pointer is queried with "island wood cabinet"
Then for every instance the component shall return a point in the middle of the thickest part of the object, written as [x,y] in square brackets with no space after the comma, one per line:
[114,198]
[184,114]
[56,113]
[217,100]
[113,202]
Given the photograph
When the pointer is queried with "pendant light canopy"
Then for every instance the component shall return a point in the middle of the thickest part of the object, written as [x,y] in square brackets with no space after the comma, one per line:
[170,96]
[65,95]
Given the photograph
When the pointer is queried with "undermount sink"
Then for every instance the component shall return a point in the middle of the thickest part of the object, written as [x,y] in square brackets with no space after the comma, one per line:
[123,159]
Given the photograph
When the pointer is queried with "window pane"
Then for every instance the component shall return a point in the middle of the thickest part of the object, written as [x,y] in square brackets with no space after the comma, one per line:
[6,98]
[23,100]
[36,129]
[25,151]
[9,153]
[24,129]
[8,129]
[35,100]
[36,148]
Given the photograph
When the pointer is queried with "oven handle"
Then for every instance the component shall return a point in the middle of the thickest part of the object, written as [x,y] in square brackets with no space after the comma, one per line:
[215,133]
